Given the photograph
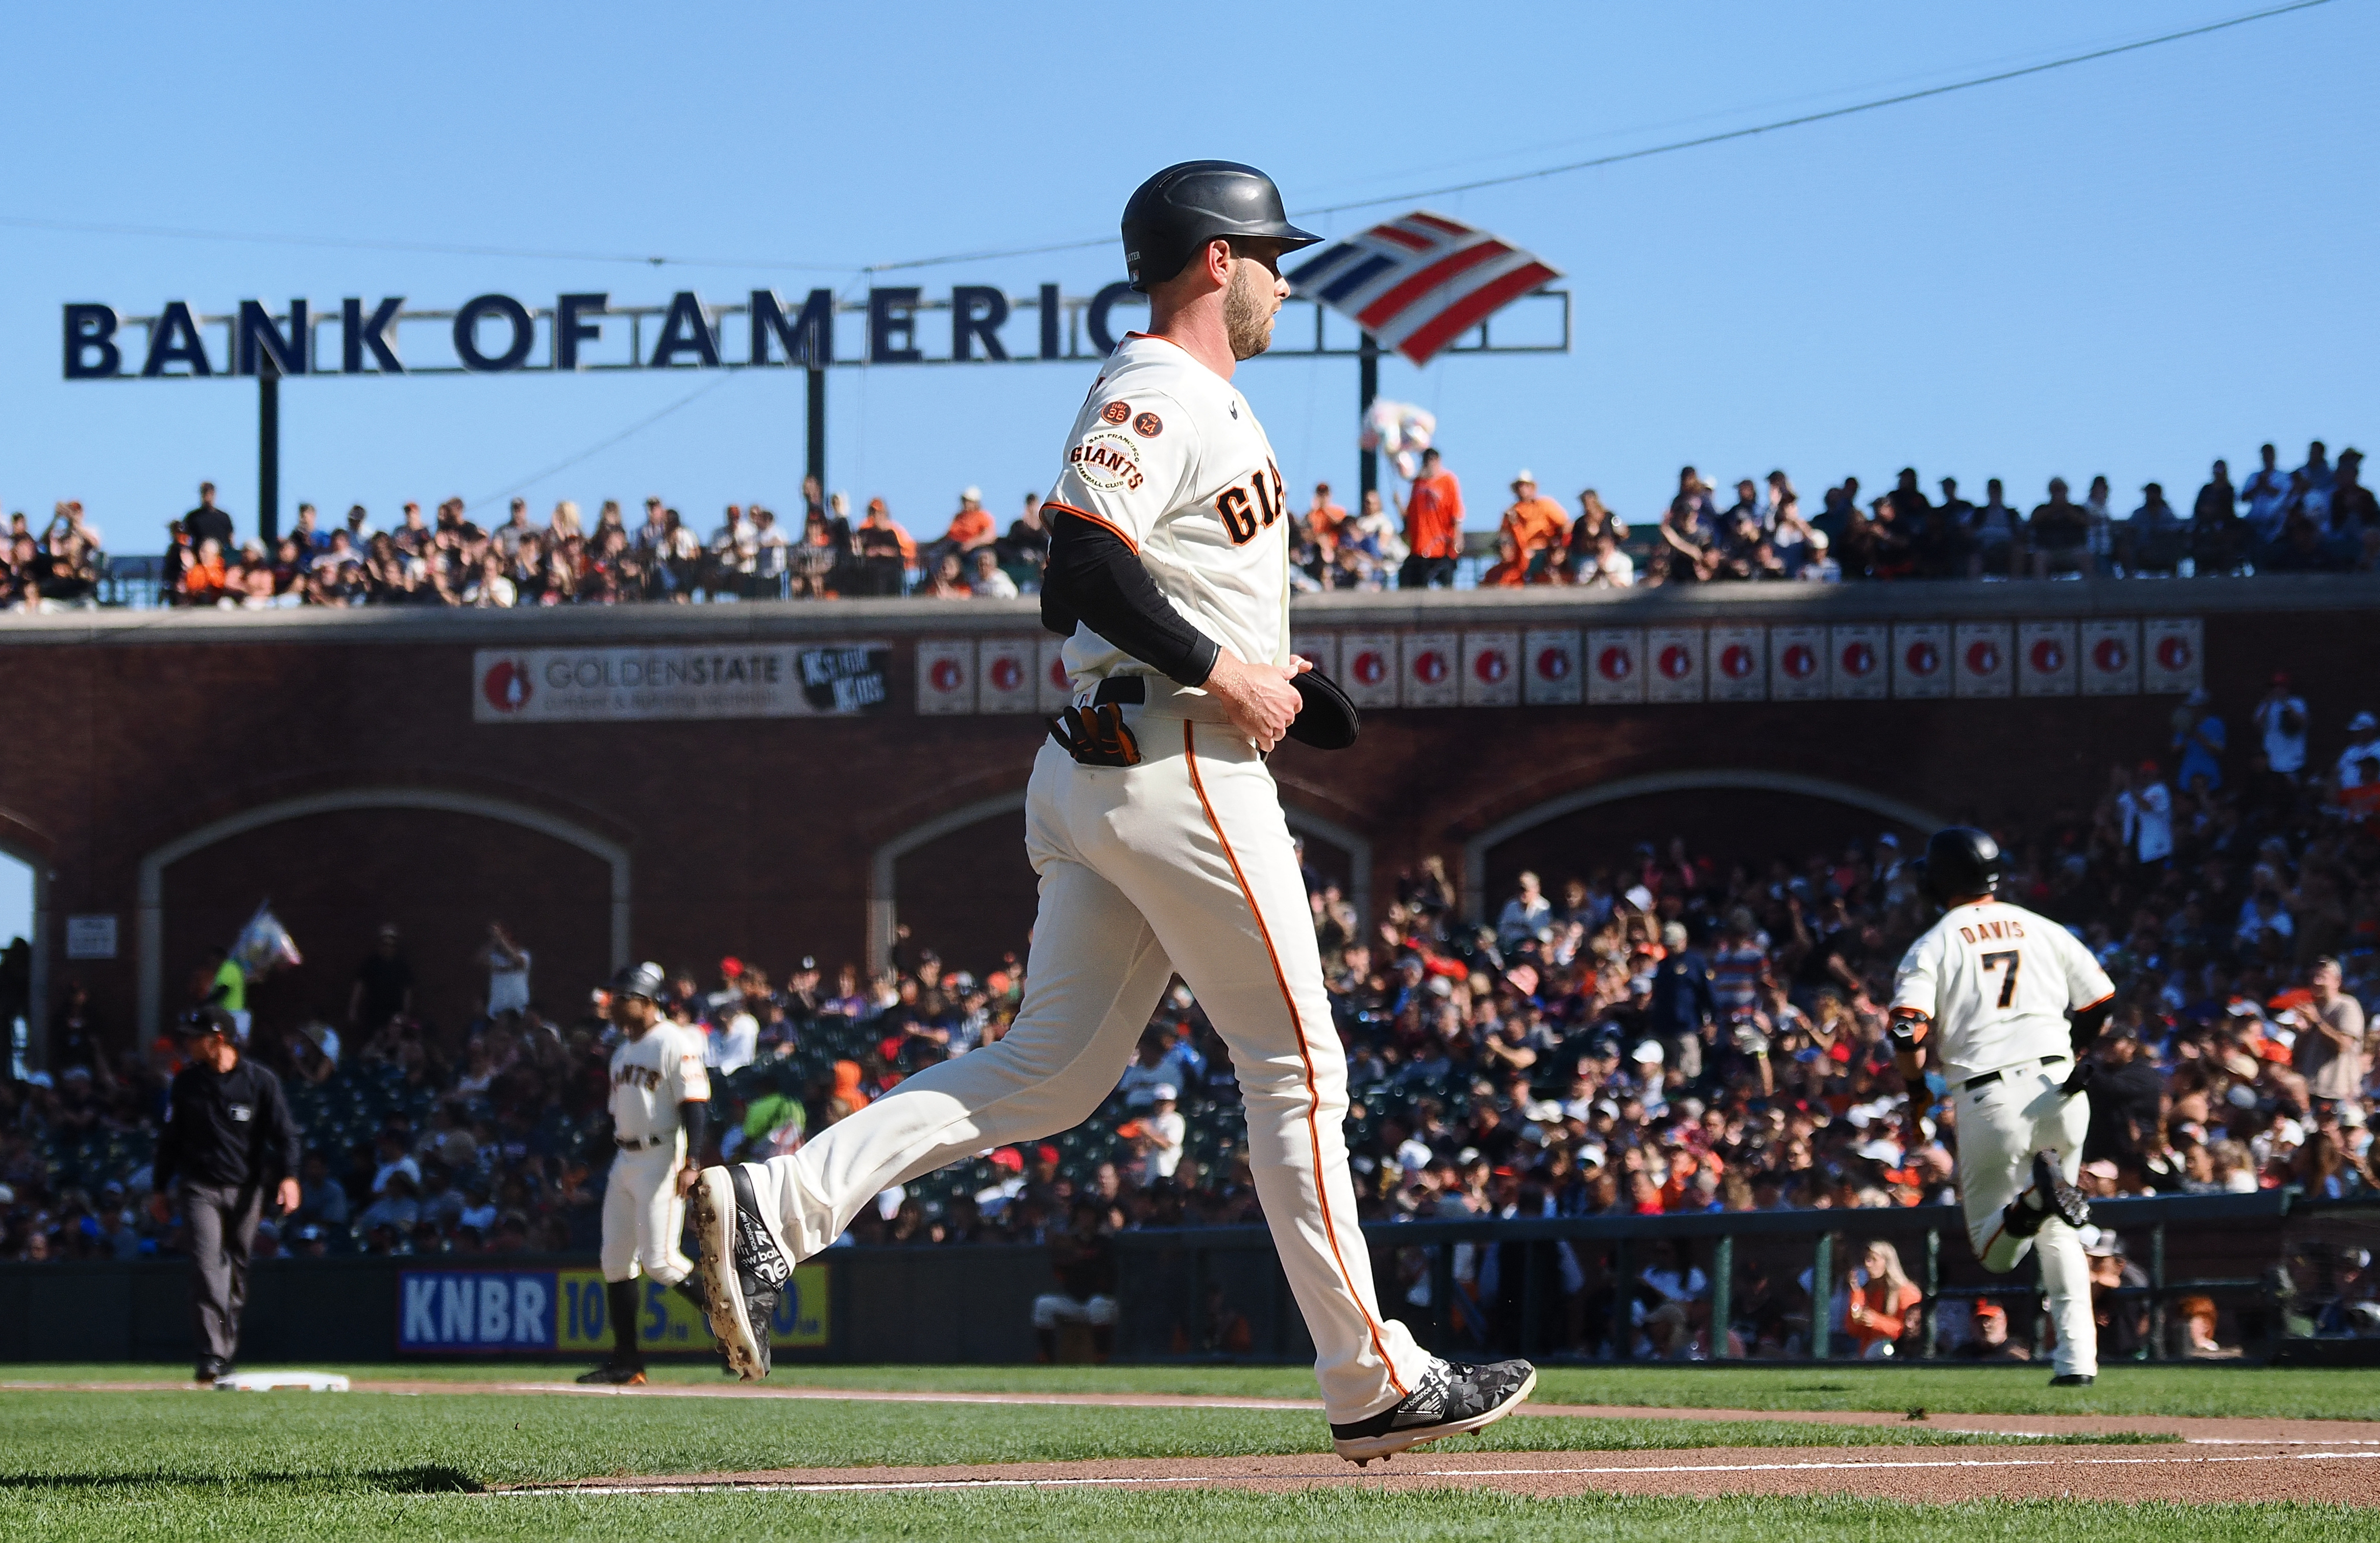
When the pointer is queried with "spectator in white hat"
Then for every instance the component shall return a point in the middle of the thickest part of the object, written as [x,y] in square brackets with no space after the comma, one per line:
[1535,525]
[971,527]
[1161,1132]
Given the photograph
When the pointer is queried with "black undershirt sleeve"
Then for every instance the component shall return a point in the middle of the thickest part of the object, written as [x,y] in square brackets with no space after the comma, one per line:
[1096,580]
[695,1116]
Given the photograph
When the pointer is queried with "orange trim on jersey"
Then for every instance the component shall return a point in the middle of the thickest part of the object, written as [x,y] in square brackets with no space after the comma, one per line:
[1313,1094]
[2092,1003]
[1097,519]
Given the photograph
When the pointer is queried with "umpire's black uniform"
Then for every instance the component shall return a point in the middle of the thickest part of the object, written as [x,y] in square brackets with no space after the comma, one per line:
[230,1140]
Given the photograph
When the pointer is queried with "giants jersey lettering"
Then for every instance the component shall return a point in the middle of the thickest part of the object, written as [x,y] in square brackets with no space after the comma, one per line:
[653,1075]
[1997,980]
[1166,455]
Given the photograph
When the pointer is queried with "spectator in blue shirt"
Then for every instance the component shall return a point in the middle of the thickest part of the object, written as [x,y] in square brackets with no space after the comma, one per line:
[2266,494]
[2199,739]
[1683,1001]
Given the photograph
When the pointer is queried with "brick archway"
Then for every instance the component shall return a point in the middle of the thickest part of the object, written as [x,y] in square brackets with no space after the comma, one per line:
[150,931]
[1476,850]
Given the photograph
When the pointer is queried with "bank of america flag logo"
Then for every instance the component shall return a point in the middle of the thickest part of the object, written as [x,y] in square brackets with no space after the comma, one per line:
[1420,281]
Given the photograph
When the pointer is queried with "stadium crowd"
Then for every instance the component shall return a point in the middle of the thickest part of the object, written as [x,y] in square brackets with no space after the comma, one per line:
[1671,1031]
[2317,517]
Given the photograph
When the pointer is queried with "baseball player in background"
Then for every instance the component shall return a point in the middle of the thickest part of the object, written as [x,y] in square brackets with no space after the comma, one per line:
[2005,1003]
[660,1099]
[1157,833]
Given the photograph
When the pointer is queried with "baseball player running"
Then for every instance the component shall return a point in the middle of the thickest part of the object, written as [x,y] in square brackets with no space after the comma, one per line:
[660,1099]
[1986,995]
[1157,834]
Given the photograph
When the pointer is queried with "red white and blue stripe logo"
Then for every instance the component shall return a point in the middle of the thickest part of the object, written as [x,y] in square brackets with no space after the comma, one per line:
[1420,281]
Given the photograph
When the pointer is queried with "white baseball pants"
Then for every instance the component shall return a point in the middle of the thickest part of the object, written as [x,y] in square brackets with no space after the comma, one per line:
[1181,862]
[644,1218]
[2001,1124]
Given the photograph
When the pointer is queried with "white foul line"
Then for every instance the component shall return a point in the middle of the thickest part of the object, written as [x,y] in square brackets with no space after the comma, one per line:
[1120,1481]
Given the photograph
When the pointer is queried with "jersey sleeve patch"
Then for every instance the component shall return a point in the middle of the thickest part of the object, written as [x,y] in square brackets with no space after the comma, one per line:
[1122,470]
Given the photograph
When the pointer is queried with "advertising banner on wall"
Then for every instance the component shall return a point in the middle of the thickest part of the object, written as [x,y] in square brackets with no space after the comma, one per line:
[2044,658]
[498,1312]
[1862,670]
[2171,660]
[1984,655]
[1921,659]
[1797,663]
[946,676]
[1615,664]
[601,685]
[1319,649]
[1007,675]
[1674,656]
[1491,670]
[1370,664]
[2111,657]
[1556,678]
[1431,663]
[1739,664]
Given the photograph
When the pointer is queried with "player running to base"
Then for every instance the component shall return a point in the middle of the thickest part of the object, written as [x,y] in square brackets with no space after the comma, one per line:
[660,1098]
[1157,833]
[1986,995]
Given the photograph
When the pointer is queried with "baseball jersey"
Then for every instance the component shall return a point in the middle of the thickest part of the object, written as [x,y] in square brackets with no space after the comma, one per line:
[1996,980]
[1168,455]
[651,1077]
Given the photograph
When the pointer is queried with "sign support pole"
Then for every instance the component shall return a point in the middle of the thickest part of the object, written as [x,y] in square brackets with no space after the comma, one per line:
[817,406]
[268,453]
[1367,477]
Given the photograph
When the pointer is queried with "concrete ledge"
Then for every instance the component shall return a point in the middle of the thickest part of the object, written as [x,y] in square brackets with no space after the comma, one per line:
[752,620]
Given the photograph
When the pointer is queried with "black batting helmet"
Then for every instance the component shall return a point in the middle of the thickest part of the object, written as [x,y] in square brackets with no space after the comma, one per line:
[639,979]
[1183,208]
[1960,863]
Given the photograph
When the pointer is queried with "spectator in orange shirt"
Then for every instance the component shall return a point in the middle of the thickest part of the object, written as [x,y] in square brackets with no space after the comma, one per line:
[1537,526]
[1511,569]
[971,527]
[1433,511]
[203,580]
[1880,1298]
[1323,520]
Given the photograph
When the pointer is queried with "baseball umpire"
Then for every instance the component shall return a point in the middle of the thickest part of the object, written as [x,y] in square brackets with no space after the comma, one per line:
[230,1141]
[1157,833]
[659,1103]
[2006,1003]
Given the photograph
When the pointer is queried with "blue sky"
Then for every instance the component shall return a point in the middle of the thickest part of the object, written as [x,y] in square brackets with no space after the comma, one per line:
[2128,267]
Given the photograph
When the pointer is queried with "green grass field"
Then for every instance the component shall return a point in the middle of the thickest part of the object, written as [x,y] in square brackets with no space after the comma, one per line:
[2209,1392]
[172,1463]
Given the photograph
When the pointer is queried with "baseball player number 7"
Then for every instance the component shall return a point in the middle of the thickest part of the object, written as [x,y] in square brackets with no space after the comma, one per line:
[2014,961]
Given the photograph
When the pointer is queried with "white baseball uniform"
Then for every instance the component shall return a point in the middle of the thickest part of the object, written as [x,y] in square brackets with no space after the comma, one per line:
[1996,981]
[1180,863]
[644,1217]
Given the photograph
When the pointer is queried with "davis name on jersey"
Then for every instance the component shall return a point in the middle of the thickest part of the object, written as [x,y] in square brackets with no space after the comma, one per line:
[651,1077]
[1997,982]
[1168,455]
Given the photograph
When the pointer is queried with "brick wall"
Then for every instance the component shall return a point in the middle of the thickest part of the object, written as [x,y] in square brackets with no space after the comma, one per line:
[755,837]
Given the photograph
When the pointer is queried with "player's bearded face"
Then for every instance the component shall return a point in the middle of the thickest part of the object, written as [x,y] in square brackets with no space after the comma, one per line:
[1249,307]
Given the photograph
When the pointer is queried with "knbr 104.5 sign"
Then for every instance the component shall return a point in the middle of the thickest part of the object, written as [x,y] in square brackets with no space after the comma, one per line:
[495,1312]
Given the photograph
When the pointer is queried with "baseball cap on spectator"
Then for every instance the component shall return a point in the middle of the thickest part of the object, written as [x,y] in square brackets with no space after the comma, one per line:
[1880,1150]
[1047,1152]
[1010,1159]
[2352,1116]
[1439,987]
[2240,1096]
[1524,478]
[1164,1092]
[199,1022]
[1991,1309]
[731,967]
[2103,1168]
[1646,1054]
[1673,936]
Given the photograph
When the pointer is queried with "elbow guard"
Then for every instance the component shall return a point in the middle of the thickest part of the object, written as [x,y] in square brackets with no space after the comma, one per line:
[2087,1023]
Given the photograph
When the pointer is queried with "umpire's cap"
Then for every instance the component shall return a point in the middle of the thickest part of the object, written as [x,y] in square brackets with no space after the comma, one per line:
[1181,208]
[1960,863]
[644,980]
